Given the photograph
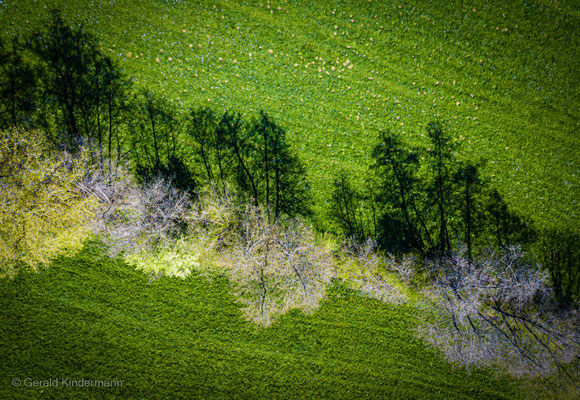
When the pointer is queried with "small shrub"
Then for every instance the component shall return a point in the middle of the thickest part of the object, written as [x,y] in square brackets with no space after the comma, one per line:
[178,259]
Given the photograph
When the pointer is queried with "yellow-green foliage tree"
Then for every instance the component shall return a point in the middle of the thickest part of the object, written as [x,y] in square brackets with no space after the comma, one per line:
[42,211]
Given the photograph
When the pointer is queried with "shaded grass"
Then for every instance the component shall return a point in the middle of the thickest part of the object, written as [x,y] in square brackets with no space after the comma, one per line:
[97,318]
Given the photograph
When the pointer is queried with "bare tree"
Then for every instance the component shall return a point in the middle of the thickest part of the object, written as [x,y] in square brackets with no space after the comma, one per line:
[498,310]
[278,266]
[132,217]
[254,267]
[364,268]
[306,263]
[215,216]
[405,266]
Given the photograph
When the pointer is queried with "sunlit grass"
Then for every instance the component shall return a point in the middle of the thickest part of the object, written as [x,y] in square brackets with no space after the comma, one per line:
[502,76]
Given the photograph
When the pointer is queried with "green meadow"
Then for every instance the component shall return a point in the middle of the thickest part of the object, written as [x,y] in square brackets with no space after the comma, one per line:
[503,79]
[502,76]
[98,318]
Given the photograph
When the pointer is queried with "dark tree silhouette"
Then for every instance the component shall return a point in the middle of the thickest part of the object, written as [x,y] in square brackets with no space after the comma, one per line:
[155,142]
[201,127]
[282,176]
[559,252]
[254,157]
[221,147]
[397,166]
[241,143]
[433,206]
[352,209]
[504,226]
[152,123]
[83,90]
[18,81]
[68,55]
[467,176]
[112,109]
[440,160]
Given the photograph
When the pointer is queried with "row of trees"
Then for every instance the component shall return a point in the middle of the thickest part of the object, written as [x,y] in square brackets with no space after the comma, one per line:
[428,201]
[423,202]
[416,199]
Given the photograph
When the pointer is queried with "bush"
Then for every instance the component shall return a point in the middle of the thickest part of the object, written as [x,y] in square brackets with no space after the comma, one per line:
[173,259]
[43,211]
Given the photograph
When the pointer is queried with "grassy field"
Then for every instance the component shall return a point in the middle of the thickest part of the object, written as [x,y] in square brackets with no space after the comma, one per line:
[98,318]
[503,77]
